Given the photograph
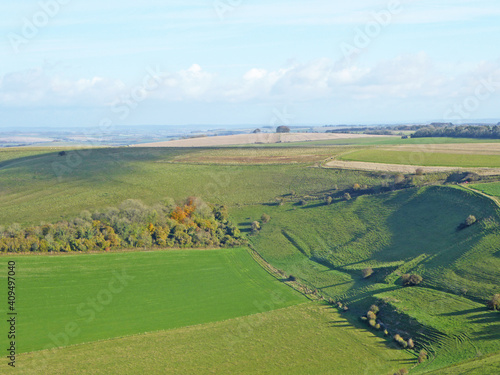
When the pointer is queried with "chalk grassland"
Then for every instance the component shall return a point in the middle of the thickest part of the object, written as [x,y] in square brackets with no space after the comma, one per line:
[65,300]
[480,366]
[326,247]
[306,339]
[51,187]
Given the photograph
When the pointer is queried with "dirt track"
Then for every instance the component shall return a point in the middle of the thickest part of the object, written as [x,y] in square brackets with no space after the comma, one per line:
[246,139]
[399,168]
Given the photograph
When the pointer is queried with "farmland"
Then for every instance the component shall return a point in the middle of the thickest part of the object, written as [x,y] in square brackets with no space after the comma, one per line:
[447,159]
[309,338]
[149,291]
[192,298]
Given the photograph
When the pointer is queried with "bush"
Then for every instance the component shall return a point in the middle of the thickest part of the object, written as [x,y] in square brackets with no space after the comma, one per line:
[367,272]
[471,219]
[265,218]
[411,344]
[347,196]
[328,200]
[422,357]
[292,278]
[374,308]
[356,187]
[494,303]
[255,226]
[419,171]
[413,279]
[371,315]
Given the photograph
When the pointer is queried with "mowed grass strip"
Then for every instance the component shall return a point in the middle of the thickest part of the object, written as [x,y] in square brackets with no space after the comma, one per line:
[429,159]
[70,299]
[307,339]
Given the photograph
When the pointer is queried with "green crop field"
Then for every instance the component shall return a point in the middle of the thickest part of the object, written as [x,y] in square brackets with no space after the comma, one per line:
[492,188]
[66,300]
[423,158]
[306,339]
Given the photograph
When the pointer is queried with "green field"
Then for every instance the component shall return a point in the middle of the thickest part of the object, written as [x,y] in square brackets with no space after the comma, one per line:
[415,230]
[480,366]
[187,300]
[51,187]
[59,295]
[492,188]
[375,141]
[428,159]
[306,339]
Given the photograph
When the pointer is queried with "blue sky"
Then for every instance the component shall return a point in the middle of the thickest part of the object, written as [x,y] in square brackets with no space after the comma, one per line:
[221,62]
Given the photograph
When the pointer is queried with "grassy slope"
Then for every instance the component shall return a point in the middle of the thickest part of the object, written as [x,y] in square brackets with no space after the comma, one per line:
[170,289]
[423,158]
[30,190]
[480,366]
[306,339]
[408,231]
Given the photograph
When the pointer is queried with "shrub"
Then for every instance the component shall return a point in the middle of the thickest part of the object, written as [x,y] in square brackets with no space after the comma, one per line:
[494,303]
[422,357]
[372,323]
[374,308]
[471,219]
[356,187]
[371,315]
[412,279]
[399,178]
[419,171]
[402,371]
[255,226]
[402,342]
[411,344]
[347,196]
[62,153]
[292,278]
[367,272]
[265,218]
[328,200]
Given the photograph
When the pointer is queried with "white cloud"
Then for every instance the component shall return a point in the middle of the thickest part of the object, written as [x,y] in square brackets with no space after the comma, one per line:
[408,76]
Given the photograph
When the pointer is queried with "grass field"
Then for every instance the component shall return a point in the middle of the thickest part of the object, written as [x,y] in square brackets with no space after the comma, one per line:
[423,158]
[378,141]
[326,247]
[480,366]
[160,290]
[492,188]
[51,187]
[306,339]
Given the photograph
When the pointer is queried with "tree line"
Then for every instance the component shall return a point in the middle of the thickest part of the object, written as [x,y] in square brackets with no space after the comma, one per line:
[459,131]
[132,224]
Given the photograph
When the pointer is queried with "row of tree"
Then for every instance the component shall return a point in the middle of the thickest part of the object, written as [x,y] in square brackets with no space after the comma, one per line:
[131,225]
[459,131]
